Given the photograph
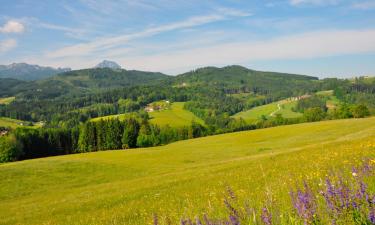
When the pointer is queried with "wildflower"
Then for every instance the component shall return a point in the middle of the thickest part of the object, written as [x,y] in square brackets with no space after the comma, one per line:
[371,216]
[266,216]
[304,203]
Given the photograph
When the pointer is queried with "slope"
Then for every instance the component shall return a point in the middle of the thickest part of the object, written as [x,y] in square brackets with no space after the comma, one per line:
[174,116]
[183,178]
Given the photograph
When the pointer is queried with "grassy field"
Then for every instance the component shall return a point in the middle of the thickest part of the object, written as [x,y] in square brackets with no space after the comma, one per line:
[332,101]
[8,122]
[175,116]
[255,114]
[119,116]
[183,178]
[7,100]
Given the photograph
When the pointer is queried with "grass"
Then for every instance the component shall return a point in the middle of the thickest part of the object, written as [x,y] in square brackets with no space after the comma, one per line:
[185,178]
[7,101]
[12,123]
[119,116]
[332,101]
[174,116]
[255,114]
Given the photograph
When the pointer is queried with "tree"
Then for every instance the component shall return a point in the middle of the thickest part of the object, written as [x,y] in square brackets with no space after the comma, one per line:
[10,149]
[130,134]
[360,111]
[314,114]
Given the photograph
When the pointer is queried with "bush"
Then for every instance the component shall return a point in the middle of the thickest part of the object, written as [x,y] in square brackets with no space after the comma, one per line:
[360,111]
[10,149]
[314,114]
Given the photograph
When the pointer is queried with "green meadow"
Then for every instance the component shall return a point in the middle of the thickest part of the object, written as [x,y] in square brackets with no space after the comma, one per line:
[12,123]
[332,100]
[119,116]
[185,178]
[175,116]
[269,110]
[7,100]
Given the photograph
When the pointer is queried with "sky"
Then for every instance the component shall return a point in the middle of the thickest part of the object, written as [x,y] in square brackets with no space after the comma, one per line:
[324,38]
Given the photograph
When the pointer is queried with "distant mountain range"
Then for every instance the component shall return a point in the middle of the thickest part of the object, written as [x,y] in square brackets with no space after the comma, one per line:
[28,72]
[24,71]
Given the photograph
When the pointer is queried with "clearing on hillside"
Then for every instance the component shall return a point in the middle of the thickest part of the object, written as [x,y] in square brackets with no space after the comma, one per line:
[175,116]
[12,123]
[7,101]
[186,178]
[283,107]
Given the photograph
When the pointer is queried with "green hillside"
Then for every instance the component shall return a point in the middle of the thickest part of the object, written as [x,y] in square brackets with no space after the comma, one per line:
[332,101]
[283,107]
[174,116]
[8,122]
[185,178]
[7,100]
[82,81]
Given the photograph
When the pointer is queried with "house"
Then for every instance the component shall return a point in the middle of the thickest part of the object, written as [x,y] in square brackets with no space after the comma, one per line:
[3,133]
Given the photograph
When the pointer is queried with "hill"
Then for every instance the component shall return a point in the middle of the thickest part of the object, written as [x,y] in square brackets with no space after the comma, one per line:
[238,78]
[185,178]
[84,81]
[24,71]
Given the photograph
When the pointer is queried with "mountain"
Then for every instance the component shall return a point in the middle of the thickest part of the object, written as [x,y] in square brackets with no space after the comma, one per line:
[24,71]
[108,64]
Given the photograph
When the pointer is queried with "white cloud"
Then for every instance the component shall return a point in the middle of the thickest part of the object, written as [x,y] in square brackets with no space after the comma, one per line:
[366,5]
[310,45]
[306,45]
[313,2]
[7,45]
[111,42]
[12,27]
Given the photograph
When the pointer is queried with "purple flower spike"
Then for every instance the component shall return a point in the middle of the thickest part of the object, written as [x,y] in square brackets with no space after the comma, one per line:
[266,216]
[371,216]
[305,204]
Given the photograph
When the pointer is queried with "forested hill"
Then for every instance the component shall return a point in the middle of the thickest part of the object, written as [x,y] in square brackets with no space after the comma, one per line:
[79,82]
[7,85]
[240,79]
[104,78]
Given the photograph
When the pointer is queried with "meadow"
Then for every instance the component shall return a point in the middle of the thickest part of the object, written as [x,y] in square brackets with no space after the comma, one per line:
[7,100]
[12,123]
[175,116]
[269,110]
[182,179]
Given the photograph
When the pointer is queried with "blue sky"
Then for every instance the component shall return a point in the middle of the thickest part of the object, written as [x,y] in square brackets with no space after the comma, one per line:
[324,38]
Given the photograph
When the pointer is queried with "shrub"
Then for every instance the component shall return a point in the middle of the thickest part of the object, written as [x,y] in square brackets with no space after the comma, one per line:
[10,149]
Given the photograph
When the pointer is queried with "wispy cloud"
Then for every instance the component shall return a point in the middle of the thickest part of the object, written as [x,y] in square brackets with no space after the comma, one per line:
[366,5]
[57,27]
[300,46]
[7,45]
[313,2]
[111,42]
[12,26]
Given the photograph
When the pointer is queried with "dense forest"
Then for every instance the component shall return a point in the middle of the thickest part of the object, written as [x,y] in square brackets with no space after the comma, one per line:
[67,102]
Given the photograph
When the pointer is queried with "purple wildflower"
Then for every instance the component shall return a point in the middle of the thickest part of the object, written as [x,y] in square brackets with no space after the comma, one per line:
[305,204]
[371,216]
[266,216]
